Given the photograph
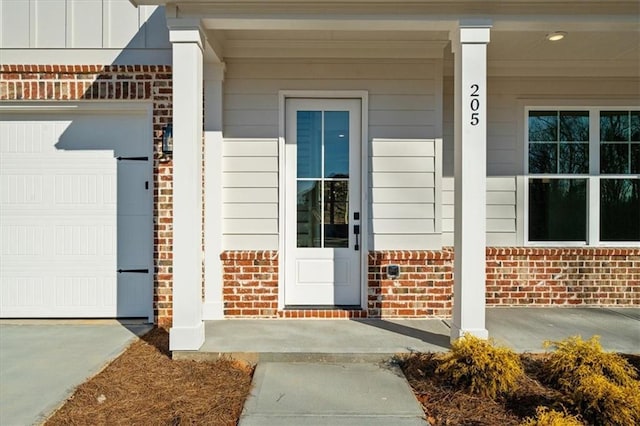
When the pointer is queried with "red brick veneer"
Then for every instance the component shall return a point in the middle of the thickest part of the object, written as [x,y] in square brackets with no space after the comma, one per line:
[563,276]
[150,83]
[516,276]
[423,289]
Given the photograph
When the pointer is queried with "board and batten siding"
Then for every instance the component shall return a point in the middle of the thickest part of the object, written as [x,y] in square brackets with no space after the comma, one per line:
[405,107]
[83,32]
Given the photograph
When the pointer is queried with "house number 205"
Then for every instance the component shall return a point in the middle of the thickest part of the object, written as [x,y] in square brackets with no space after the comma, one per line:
[474,104]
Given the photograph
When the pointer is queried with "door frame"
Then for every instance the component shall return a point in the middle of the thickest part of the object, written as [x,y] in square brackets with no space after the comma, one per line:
[363,96]
[143,108]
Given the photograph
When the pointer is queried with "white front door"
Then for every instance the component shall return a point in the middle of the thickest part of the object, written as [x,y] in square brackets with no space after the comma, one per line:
[322,202]
[76,224]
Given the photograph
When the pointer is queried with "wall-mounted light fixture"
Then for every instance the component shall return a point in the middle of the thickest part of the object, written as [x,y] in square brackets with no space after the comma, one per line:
[556,36]
[167,142]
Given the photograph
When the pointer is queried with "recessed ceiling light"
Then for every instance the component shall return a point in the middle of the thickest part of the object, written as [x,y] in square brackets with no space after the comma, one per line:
[556,35]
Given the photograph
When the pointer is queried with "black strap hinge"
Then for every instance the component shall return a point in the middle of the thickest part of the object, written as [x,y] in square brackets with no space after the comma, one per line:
[134,271]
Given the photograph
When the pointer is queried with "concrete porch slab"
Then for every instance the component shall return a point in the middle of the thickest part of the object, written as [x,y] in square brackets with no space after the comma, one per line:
[374,340]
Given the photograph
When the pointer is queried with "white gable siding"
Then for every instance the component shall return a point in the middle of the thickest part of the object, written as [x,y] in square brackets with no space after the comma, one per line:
[404,111]
[48,27]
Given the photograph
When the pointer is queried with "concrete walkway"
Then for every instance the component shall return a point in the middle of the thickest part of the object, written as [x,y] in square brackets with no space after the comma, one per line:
[314,394]
[42,362]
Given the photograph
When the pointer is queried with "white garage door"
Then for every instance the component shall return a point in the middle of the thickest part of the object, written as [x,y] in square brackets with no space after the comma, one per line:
[76,215]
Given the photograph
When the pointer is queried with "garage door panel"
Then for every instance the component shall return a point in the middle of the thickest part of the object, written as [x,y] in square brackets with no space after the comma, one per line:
[84,293]
[68,207]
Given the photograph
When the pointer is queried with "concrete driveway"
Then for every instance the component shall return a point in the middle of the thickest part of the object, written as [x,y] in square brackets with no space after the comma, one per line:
[42,362]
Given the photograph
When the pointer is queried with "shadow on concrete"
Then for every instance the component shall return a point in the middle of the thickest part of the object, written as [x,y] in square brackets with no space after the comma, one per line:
[426,336]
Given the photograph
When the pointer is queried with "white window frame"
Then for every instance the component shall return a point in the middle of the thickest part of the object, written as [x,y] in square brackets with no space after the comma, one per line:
[593,177]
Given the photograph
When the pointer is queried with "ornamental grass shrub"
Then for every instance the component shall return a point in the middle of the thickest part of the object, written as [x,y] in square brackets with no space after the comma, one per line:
[546,417]
[480,366]
[602,385]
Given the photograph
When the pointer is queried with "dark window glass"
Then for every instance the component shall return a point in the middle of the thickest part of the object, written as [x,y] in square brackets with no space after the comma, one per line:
[574,126]
[543,158]
[309,135]
[635,126]
[635,158]
[614,158]
[620,209]
[574,158]
[309,214]
[614,126]
[543,126]
[336,213]
[336,144]
[557,209]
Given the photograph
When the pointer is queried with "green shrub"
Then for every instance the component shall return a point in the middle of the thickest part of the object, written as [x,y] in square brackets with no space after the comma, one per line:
[604,402]
[480,366]
[602,385]
[546,417]
[575,358]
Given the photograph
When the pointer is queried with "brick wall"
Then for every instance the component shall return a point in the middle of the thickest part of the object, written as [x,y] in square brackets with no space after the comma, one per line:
[563,276]
[423,289]
[114,82]
[515,277]
[250,283]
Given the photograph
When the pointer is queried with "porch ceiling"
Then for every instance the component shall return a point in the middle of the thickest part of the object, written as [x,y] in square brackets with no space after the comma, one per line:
[603,36]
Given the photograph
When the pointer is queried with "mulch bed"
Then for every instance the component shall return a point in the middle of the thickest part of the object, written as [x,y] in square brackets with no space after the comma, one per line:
[145,387]
[445,405]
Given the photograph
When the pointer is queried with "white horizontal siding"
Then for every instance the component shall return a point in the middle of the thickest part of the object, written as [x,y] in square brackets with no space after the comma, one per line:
[404,110]
[404,196]
[502,218]
[404,96]
[81,24]
[250,194]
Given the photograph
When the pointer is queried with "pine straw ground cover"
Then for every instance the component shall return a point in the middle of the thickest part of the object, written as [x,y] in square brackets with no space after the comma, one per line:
[145,387]
[443,404]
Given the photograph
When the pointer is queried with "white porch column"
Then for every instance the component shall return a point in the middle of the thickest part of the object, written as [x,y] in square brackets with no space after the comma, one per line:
[187,332]
[469,45]
[213,307]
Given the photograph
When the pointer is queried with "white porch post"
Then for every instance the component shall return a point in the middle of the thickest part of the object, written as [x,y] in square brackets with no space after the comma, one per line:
[187,332]
[469,45]
[213,307]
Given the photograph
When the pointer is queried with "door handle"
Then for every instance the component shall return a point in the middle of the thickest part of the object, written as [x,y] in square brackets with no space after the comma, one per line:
[356,232]
[134,271]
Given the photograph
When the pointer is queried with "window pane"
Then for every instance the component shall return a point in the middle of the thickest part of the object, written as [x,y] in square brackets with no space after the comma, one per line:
[309,213]
[543,158]
[635,126]
[614,126]
[336,144]
[543,126]
[620,210]
[309,142]
[635,158]
[574,158]
[574,126]
[557,209]
[336,213]
[614,158]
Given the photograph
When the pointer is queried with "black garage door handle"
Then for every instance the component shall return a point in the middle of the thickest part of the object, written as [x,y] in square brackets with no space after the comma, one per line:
[134,271]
